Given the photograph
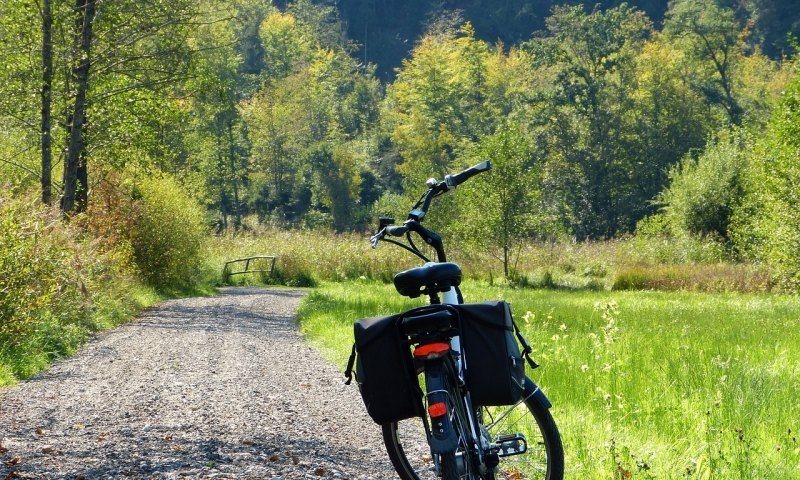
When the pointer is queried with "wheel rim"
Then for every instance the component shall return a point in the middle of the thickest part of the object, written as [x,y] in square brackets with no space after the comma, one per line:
[533,464]
[407,439]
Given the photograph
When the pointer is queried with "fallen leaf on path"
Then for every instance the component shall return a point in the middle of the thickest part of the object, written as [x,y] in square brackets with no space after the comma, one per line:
[14,461]
[274,457]
[320,472]
[19,475]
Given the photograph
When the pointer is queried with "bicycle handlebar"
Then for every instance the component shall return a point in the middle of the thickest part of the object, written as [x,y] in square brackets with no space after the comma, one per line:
[453,181]
[417,214]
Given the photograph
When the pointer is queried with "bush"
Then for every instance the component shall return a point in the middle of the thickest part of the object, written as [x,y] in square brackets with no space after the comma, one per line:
[39,282]
[168,234]
[767,226]
[57,284]
[704,192]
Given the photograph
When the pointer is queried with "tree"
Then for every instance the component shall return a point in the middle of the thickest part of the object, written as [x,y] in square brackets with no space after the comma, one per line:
[503,207]
[216,93]
[669,119]
[46,98]
[21,77]
[710,36]
[309,123]
[436,107]
[766,226]
[75,161]
[591,60]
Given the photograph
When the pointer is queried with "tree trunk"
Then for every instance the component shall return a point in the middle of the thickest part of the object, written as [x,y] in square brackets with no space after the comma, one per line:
[46,96]
[84,19]
[82,188]
[237,219]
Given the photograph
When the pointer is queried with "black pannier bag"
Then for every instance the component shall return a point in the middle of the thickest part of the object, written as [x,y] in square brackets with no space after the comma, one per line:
[495,371]
[385,370]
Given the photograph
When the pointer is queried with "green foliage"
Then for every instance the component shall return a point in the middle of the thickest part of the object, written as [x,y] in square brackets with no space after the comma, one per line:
[502,207]
[588,121]
[308,124]
[436,106]
[39,285]
[168,234]
[704,191]
[57,285]
[710,36]
[384,29]
[766,227]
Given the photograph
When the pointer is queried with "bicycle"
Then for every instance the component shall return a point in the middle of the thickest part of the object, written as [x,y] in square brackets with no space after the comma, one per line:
[479,416]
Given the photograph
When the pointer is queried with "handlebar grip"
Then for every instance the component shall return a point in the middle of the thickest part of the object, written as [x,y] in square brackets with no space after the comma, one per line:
[461,177]
[397,231]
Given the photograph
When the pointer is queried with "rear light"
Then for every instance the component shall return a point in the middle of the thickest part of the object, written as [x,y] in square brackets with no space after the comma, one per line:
[431,350]
[436,410]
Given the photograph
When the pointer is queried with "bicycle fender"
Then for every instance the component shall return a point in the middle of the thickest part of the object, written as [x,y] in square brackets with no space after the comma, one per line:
[443,435]
[538,395]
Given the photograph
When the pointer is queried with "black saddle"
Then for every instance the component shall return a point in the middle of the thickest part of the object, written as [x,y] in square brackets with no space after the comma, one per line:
[427,279]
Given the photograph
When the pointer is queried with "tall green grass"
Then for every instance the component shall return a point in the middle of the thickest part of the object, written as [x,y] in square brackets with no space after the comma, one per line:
[652,385]
[305,257]
[57,286]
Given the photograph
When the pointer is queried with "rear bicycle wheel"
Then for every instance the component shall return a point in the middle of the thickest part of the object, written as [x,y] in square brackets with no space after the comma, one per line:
[410,454]
[543,459]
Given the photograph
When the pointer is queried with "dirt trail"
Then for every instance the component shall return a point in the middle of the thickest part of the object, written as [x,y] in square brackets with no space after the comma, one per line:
[218,387]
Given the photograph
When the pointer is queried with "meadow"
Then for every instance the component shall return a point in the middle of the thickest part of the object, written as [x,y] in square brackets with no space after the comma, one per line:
[645,384]
[306,257]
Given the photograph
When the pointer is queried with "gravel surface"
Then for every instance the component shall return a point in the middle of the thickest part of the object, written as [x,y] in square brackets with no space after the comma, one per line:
[218,387]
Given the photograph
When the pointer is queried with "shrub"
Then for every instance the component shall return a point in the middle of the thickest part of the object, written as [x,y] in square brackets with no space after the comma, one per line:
[767,226]
[57,284]
[704,191]
[40,276]
[168,234]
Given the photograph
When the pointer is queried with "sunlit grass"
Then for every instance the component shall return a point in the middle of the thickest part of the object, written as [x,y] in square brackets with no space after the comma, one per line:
[306,257]
[644,384]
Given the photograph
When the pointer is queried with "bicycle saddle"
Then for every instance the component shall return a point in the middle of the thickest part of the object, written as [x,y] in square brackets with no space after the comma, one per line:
[431,277]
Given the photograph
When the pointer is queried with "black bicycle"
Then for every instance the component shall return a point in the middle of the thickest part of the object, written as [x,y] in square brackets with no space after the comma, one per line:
[447,381]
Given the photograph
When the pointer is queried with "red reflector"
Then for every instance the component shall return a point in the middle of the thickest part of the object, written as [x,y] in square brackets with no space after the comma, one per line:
[437,409]
[431,349]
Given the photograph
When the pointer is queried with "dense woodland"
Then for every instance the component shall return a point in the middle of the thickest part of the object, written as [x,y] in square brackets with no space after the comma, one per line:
[677,118]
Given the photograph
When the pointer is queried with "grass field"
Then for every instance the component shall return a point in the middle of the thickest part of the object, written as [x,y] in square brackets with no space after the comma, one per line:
[652,385]
[305,257]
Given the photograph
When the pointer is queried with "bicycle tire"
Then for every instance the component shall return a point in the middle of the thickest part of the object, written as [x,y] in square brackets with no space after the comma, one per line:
[458,465]
[408,451]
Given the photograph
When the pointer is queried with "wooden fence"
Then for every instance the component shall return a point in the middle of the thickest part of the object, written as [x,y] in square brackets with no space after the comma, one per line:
[228,269]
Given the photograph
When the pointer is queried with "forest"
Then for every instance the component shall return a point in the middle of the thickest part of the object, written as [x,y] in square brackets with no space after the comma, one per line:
[131,131]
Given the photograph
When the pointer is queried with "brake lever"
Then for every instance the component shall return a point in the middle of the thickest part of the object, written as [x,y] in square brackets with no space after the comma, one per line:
[375,239]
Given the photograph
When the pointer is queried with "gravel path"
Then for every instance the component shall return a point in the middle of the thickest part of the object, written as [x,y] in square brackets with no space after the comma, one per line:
[218,387]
